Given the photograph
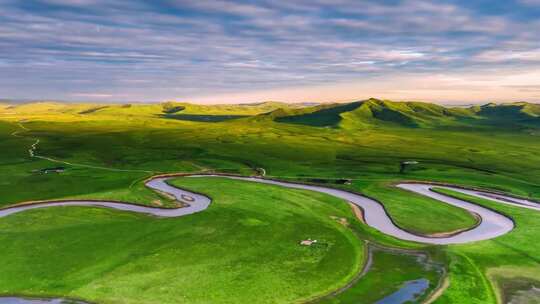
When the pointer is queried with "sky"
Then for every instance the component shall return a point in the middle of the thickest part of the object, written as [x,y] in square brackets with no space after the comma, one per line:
[460,51]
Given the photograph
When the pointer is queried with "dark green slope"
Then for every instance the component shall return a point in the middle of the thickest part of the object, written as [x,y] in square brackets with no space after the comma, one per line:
[373,113]
[519,113]
[365,114]
[321,116]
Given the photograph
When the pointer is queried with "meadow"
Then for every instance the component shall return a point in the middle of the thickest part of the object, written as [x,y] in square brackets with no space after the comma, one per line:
[238,246]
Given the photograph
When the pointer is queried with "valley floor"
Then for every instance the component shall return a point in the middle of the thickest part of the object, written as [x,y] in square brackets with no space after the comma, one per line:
[244,248]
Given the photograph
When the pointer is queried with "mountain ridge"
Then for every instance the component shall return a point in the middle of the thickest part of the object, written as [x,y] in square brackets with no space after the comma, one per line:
[369,113]
[377,112]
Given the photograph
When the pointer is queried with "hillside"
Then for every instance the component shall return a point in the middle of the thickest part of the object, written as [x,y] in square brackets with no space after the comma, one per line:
[232,109]
[317,115]
[520,112]
[384,113]
[170,110]
[371,113]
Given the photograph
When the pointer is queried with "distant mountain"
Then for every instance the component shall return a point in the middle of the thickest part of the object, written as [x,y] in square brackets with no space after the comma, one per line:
[14,101]
[233,109]
[362,113]
[165,110]
[384,113]
[299,114]
[370,113]
[511,111]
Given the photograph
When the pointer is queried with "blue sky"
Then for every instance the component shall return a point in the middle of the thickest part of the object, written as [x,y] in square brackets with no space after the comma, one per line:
[241,51]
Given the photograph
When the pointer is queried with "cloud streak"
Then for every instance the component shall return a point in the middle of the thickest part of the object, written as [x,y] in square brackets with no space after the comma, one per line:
[154,50]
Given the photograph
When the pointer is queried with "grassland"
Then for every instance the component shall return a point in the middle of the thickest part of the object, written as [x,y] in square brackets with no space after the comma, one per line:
[111,149]
[239,250]
[501,260]
[389,270]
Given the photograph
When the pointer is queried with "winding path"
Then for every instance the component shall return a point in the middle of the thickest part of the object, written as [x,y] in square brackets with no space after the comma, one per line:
[33,154]
[492,224]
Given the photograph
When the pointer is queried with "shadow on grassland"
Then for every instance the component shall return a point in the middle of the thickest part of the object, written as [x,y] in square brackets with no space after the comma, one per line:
[201,117]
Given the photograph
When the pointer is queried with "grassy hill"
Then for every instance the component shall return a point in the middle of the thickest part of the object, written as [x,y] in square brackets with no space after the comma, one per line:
[512,113]
[384,113]
[284,113]
[167,110]
[371,113]
[355,114]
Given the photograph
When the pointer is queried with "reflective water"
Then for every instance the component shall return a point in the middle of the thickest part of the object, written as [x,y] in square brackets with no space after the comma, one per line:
[409,292]
[493,224]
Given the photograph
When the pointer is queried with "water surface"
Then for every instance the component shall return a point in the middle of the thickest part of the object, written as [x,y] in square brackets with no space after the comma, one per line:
[410,291]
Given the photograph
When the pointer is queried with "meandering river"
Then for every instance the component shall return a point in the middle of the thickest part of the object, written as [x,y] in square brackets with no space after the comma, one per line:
[492,224]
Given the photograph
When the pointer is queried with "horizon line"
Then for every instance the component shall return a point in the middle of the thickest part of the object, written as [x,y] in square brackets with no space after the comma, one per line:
[17,101]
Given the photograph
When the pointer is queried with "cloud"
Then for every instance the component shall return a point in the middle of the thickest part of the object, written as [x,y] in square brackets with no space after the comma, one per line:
[93,95]
[445,88]
[229,7]
[72,2]
[530,2]
[509,55]
[154,50]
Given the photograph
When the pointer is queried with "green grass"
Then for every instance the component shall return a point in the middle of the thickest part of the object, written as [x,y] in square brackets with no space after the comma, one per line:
[109,255]
[389,271]
[325,116]
[202,118]
[475,157]
[513,255]
[239,250]
[418,213]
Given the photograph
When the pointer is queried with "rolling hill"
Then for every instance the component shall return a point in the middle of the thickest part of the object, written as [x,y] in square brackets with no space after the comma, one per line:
[384,113]
[366,114]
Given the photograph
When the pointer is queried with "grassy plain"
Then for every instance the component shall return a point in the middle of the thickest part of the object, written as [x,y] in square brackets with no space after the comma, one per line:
[389,271]
[512,256]
[112,149]
[239,250]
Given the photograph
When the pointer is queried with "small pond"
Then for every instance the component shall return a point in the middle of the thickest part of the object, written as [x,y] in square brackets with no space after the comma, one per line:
[410,291]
